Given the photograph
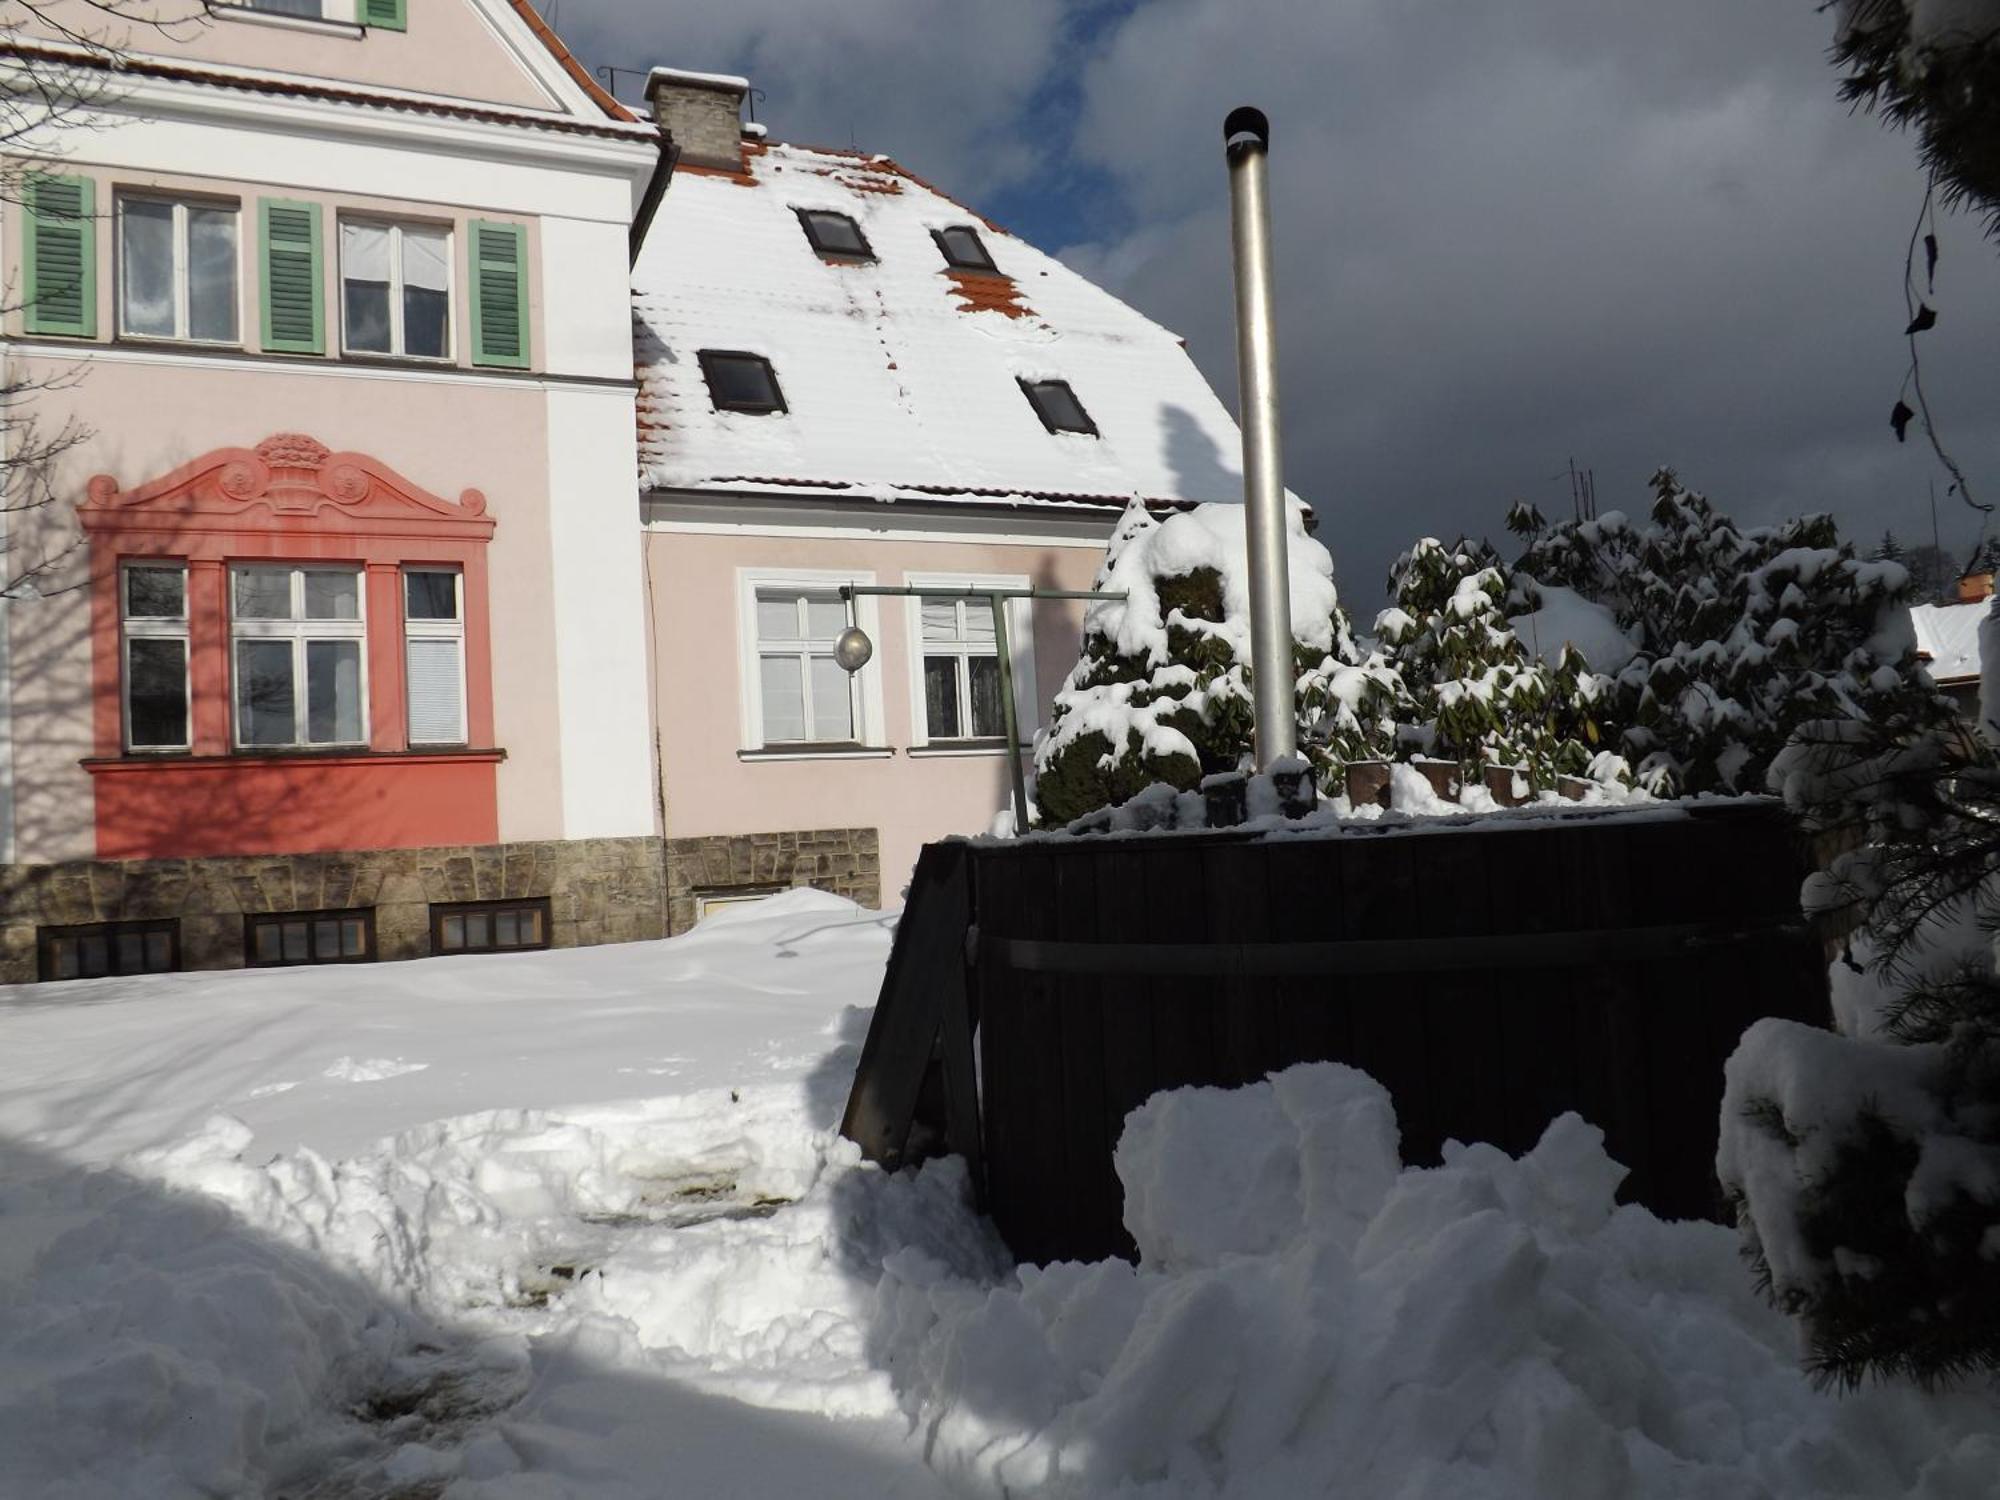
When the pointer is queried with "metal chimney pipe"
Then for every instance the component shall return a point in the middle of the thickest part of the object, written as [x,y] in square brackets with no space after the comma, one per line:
[1247,137]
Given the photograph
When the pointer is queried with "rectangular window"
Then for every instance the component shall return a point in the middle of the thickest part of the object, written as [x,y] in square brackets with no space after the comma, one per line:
[1056,404]
[309,937]
[722,898]
[153,613]
[177,270]
[961,669]
[490,926]
[835,235]
[434,654]
[741,382]
[963,249]
[96,949]
[805,696]
[395,288]
[297,636]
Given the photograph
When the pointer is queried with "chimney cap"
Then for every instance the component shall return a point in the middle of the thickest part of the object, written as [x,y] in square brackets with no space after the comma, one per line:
[720,83]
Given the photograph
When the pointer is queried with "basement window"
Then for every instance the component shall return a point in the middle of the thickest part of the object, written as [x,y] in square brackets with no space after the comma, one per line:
[835,234]
[490,926]
[1056,404]
[96,949]
[741,382]
[963,249]
[309,937]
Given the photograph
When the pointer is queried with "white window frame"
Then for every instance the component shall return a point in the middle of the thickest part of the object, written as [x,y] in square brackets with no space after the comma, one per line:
[1020,640]
[298,631]
[434,630]
[868,683]
[336,17]
[451,292]
[156,628]
[180,203]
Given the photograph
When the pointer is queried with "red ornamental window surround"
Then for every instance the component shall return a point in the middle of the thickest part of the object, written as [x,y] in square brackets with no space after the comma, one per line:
[290,501]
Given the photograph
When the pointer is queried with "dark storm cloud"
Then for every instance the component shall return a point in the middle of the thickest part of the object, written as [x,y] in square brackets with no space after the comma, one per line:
[1506,234]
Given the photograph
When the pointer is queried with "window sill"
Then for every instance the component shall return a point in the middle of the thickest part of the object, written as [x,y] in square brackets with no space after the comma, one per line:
[164,341]
[817,752]
[143,761]
[940,749]
[400,361]
[317,25]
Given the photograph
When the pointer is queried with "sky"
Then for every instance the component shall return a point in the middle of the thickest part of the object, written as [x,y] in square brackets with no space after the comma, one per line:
[1506,237]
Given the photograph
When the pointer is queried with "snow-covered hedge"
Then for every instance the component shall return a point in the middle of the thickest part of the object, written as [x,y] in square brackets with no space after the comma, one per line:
[1740,636]
[1677,651]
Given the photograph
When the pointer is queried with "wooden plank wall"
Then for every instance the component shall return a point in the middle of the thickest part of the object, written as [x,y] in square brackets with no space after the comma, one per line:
[1635,1046]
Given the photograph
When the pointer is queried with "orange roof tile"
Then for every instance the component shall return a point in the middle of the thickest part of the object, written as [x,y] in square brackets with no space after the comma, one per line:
[598,95]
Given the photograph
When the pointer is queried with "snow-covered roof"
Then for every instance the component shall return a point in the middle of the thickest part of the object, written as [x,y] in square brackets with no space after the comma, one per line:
[1948,639]
[900,375]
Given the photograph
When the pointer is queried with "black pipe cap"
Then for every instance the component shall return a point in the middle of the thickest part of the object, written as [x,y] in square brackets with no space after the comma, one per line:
[1248,120]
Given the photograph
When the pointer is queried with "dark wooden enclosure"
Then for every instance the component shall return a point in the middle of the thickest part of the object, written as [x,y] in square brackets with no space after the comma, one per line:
[1491,974]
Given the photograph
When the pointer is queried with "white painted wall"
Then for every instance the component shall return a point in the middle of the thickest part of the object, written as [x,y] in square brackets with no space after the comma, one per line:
[600,615]
[585,312]
[339,149]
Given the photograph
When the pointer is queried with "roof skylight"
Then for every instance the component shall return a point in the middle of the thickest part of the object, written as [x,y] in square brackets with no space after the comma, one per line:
[1056,404]
[835,234]
[963,249]
[741,382]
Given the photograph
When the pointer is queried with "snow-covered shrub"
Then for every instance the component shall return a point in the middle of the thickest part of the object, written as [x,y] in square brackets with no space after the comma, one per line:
[1741,635]
[1162,693]
[1473,692]
[1864,1163]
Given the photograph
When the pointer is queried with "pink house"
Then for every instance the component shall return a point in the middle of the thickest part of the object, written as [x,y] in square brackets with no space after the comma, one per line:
[345,632]
[848,377]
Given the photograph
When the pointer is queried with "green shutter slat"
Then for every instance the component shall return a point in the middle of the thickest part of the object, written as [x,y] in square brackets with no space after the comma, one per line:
[294,288]
[499,294]
[387,15]
[61,254]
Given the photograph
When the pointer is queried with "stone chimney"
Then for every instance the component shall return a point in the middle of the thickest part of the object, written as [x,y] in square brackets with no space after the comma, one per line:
[703,112]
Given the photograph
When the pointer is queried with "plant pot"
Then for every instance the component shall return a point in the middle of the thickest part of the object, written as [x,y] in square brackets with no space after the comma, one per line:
[1501,782]
[1367,782]
[1445,777]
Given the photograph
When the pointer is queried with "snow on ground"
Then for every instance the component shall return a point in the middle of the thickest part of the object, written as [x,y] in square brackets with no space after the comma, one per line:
[577,1225]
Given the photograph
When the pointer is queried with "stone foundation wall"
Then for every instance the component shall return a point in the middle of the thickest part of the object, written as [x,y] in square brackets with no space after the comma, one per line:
[600,890]
[845,861]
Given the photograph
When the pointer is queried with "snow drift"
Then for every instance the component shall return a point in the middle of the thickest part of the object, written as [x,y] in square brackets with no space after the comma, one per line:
[1309,1318]
[708,1288]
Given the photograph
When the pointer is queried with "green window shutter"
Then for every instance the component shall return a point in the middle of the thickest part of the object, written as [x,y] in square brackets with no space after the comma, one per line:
[294,289]
[384,15]
[60,228]
[499,294]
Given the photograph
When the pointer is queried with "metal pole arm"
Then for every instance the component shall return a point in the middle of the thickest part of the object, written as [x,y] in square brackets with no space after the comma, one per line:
[967,591]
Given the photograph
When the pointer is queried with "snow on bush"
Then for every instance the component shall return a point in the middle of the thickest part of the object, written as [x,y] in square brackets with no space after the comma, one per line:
[1679,651]
[1472,691]
[1739,636]
[1865,1163]
[1162,692]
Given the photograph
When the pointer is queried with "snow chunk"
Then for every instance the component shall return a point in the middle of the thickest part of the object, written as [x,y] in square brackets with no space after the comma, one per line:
[1566,618]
